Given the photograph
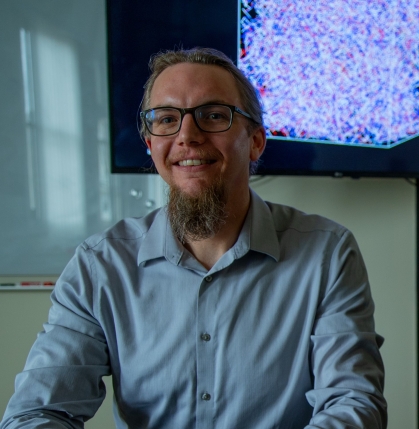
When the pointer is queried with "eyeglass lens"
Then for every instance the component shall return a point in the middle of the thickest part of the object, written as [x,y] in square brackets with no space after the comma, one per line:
[167,120]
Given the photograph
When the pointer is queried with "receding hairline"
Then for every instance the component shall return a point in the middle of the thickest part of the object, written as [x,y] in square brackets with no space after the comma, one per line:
[210,99]
[205,56]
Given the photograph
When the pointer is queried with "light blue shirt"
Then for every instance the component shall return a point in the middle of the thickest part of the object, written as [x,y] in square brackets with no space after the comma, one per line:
[278,334]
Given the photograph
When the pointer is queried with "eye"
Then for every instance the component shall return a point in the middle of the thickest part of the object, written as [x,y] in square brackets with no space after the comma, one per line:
[166,120]
[215,114]
[164,117]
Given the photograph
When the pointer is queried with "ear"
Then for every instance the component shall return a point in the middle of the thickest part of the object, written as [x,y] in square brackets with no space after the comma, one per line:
[148,142]
[258,143]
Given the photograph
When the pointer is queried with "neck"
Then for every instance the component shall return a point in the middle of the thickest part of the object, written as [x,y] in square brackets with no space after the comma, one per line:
[210,250]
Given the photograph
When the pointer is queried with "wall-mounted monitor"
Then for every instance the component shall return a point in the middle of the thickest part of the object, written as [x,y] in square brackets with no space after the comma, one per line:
[339,81]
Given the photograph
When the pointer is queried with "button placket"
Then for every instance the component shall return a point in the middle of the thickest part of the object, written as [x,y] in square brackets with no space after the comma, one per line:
[206,309]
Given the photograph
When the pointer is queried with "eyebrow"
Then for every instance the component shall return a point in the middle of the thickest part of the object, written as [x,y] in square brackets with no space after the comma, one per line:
[213,101]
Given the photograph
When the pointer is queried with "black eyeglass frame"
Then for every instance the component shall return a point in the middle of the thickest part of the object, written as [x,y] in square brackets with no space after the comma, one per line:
[192,110]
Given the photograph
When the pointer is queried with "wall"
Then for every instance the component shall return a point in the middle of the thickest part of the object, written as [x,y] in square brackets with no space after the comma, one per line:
[380,212]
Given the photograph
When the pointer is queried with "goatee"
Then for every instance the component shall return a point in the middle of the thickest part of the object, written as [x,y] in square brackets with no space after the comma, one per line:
[195,218]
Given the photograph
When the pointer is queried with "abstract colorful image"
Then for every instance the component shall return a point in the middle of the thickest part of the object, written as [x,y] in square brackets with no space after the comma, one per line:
[334,71]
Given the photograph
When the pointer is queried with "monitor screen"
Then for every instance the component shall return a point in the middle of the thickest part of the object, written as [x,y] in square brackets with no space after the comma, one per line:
[338,81]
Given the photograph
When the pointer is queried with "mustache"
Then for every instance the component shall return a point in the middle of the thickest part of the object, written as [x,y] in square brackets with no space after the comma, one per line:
[213,154]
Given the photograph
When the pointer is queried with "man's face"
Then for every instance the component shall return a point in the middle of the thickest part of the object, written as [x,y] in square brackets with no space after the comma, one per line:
[224,155]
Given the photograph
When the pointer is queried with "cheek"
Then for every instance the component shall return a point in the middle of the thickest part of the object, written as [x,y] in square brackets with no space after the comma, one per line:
[240,152]
[158,152]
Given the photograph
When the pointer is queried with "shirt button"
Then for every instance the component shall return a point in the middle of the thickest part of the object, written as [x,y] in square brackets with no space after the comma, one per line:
[205,337]
[206,396]
[208,279]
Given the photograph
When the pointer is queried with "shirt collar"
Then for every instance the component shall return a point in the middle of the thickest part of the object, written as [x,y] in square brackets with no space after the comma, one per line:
[258,234]
[159,241]
[262,231]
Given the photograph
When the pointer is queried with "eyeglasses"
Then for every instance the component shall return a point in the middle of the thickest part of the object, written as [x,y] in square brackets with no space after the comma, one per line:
[211,118]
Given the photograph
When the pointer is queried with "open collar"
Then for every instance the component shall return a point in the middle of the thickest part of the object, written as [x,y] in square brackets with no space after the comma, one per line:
[258,234]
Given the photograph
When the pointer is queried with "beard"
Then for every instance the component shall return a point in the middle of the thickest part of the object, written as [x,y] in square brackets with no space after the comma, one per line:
[197,217]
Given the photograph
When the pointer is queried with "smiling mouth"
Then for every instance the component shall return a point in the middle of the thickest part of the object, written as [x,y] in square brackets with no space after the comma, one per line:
[189,162]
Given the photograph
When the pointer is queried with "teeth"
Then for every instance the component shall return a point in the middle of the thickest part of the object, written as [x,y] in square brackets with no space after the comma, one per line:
[187,162]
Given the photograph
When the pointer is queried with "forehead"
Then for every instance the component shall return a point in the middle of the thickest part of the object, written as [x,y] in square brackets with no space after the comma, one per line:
[188,85]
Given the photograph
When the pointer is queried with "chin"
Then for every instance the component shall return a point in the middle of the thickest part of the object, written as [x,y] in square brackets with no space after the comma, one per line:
[194,186]
[193,191]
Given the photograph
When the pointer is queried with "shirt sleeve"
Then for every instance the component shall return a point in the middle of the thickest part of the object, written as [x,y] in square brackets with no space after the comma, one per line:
[61,385]
[348,372]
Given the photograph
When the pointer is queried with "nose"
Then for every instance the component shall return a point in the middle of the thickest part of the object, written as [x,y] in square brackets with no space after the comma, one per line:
[189,132]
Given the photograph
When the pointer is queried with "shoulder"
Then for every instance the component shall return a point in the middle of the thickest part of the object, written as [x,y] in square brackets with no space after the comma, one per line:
[285,231]
[125,232]
[103,259]
[287,218]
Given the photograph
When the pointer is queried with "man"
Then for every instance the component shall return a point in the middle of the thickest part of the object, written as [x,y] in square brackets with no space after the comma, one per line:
[218,311]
